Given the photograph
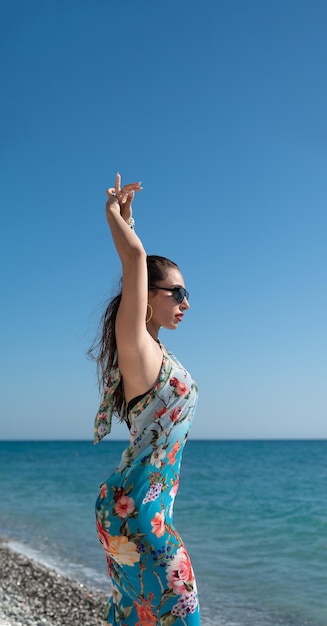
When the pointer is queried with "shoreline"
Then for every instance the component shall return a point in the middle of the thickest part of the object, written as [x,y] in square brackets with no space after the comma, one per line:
[32,594]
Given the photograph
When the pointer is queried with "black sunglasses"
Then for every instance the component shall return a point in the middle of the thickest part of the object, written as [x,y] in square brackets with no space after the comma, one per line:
[178,293]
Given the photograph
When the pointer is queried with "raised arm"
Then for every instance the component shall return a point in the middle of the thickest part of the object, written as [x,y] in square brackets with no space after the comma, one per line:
[138,354]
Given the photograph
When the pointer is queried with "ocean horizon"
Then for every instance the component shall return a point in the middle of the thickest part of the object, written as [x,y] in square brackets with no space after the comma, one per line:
[252,513]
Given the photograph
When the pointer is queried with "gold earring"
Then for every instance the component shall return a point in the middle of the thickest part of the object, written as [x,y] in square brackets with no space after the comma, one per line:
[151,313]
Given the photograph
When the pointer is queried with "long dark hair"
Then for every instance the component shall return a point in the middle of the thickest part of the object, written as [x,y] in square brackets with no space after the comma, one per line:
[104,346]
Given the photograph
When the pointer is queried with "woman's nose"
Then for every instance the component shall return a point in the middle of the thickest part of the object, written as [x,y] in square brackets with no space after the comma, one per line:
[185,303]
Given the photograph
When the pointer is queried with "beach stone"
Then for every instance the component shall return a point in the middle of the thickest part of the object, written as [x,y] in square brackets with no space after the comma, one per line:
[33,595]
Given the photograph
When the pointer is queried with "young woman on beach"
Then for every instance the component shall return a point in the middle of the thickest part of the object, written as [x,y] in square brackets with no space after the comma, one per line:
[144,384]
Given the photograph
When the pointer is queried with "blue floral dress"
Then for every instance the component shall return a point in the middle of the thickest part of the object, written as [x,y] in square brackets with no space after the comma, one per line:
[150,570]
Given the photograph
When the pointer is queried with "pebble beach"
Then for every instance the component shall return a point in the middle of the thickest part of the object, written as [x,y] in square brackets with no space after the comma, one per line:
[33,595]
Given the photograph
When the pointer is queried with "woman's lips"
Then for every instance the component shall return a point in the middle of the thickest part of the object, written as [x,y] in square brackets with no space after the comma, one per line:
[179,317]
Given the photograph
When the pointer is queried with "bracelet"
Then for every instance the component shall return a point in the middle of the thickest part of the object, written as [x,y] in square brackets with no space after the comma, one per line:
[131,222]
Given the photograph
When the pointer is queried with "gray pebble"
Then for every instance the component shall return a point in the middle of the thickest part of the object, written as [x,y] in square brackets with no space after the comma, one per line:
[32,595]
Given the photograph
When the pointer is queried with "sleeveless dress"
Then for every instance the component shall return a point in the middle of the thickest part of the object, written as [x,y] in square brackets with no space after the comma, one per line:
[150,570]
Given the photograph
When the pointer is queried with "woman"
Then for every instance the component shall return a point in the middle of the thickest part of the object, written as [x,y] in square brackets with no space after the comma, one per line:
[151,573]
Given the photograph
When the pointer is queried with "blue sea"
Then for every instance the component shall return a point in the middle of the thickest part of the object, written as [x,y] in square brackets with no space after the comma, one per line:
[253,515]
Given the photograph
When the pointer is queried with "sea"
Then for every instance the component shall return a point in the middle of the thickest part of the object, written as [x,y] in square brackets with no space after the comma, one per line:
[253,515]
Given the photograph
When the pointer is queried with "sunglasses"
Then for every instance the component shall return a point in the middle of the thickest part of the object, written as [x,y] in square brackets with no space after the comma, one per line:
[178,293]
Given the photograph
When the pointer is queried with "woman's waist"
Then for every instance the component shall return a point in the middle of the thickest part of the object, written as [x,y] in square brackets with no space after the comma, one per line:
[155,473]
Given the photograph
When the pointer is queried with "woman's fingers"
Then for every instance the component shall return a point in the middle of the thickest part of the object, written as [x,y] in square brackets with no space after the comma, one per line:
[126,206]
[123,194]
[117,185]
[131,187]
[126,194]
[129,199]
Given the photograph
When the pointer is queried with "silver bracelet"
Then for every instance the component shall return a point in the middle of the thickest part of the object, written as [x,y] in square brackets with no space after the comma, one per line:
[131,222]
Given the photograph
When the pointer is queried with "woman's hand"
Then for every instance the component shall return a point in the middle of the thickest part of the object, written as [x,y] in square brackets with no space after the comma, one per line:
[123,197]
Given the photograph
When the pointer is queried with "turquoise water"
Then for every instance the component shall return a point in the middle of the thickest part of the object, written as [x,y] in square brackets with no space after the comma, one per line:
[253,515]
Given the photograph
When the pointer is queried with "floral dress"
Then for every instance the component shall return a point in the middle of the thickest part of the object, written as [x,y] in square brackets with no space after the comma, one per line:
[150,570]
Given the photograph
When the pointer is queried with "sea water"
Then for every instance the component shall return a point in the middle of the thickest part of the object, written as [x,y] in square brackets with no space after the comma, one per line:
[253,515]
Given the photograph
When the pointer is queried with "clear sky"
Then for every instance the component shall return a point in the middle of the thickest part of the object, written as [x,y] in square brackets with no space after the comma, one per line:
[220,109]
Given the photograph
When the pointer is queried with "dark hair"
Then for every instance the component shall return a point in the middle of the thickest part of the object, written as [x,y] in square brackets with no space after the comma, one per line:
[104,346]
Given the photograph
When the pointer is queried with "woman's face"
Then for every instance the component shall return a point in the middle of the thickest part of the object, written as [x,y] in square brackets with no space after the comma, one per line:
[167,312]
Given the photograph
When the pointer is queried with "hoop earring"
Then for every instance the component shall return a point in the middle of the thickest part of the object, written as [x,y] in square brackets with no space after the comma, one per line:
[151,313]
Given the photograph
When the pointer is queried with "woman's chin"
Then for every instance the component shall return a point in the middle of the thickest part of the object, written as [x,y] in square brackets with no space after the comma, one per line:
[170,326]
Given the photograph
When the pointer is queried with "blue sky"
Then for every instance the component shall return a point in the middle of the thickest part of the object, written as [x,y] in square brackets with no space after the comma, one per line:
[219,108]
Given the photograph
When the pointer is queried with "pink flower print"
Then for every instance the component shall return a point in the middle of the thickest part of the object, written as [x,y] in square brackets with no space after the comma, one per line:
[174,414]
[124,506]
[158,524]
[181,388]
[160,412]
[103,491]
[174,489]
[103,535]
[172,454]
[102,429]
[179,573]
